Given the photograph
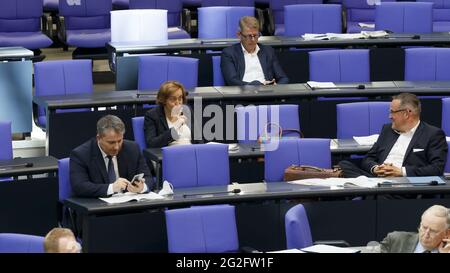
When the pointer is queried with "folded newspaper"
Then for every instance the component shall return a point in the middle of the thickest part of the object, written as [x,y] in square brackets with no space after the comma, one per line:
[129,196]
[345,36]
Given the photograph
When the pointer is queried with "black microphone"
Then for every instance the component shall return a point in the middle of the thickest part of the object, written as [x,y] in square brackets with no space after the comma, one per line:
[26,165]
[389,184]
[208,193]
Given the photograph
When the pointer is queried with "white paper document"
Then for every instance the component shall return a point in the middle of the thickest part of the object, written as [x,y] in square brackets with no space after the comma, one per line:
[293,250]
[366,140]
[129,196]
[328,249]
[366,25]
[447,138]
[318,85]
[360,181]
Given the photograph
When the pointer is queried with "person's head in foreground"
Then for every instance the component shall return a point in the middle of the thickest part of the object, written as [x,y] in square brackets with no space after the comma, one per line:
[61,240]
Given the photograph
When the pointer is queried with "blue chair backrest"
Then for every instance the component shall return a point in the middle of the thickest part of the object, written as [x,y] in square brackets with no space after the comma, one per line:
[173,7]
[202,229]
[446,116]
[217,72]
[252,120]
[298,232]
[62,78]
[441,15]
[360,12]
[427,64]
[21,15]
[88,14]
[65,188]
[221,22]
[154,70]
[404,17]
[277,7]
[225,3]
[342,65]
[361,118]
[303,151]
[6,152]
[138,131]
[196,165]
[314,18]
[21,243]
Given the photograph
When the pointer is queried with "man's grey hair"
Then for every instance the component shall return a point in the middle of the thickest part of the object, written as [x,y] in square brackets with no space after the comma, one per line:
[439,211]
[409,101]
[110,122]
[249,22]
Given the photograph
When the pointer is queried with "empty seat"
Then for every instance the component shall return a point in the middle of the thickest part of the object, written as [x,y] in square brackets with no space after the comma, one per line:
[427,64]
[20,24]
[441,15]
[404,17]
[21,243]
[357,12]
[301,19]
[224,3]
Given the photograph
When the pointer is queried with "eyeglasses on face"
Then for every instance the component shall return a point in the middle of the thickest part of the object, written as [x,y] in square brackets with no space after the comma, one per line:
[397,111]
[250,36]
[430,231]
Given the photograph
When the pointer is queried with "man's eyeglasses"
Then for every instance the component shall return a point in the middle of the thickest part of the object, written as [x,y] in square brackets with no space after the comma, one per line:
[397,111]
[250,36]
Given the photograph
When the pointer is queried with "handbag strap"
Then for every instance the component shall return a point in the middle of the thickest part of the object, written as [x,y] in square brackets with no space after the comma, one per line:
[307,167]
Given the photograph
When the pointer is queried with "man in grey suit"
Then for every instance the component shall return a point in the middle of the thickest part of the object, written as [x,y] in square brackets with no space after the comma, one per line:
[433,236]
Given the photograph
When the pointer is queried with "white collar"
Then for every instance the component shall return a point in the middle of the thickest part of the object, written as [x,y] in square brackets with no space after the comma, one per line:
[254,52]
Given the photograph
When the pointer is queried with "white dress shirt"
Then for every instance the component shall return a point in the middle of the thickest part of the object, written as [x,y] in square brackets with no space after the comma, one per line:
[184,134]
[253,69]
[116,170]
[398,151]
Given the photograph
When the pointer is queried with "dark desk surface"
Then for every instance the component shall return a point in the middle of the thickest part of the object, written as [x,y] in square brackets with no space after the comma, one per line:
[45,164]
[217,93]
[252,150]
[278,42]
[250,192]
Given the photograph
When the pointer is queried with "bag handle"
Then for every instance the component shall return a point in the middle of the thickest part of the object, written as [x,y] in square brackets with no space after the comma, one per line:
[308,167]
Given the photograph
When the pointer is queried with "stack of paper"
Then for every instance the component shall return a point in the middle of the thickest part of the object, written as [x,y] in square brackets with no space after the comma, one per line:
[366,140]
[129,196]
[360,181]
[366,25]
[328,249]
[316,85]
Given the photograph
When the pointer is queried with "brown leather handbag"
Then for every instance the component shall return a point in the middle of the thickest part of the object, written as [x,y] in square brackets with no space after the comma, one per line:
[295,172]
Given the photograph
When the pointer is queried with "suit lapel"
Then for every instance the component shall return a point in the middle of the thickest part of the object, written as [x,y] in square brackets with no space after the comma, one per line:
[162,118]
[393,138]
[99,161]
[122,165]
[263,61]
[414,139]
[240,60]
[412,243]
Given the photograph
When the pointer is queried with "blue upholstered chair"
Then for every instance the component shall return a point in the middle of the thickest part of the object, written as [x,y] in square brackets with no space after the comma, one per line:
[361,118]
[441,15]
[314,18]
[276,12]
[302,151]
[20,24]
[87,25]
[427,64]
[21,243]
[342,65]
[51,5]
[174,9]
[252,120]
[217,72]
[358,11]
[67,216]
[6,152]
[61,78]
[225,3]
[202,229]
[446,116]
[404,17]
[221,22]
[196,165]
[298,232]
[154,70]
[138,131]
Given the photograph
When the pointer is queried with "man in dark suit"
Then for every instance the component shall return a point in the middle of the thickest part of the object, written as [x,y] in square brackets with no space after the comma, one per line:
[407,147]
[104,165]
[249,62]
[433,236]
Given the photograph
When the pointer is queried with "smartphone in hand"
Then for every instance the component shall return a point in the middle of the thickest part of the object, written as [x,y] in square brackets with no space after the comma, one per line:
[136,179]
